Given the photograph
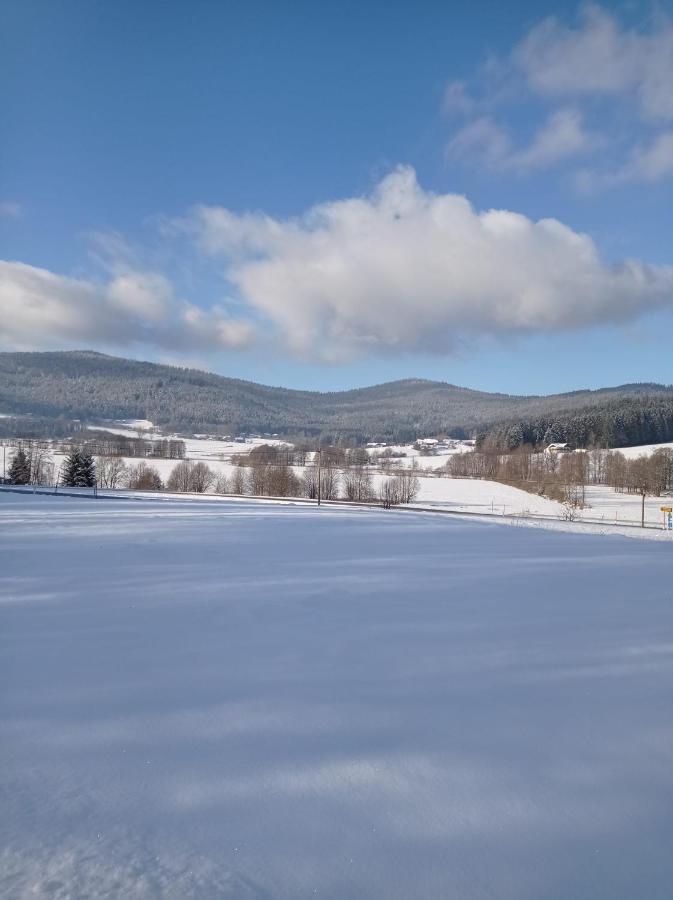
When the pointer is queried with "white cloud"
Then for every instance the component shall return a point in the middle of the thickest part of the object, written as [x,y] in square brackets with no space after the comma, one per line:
[650,162]
[481,141]
[214,328]
[647,163]
[401,269]
[617,76]
[602,57]
[561,137]
[43,309]
[405,269]
[142,295]
[457,100]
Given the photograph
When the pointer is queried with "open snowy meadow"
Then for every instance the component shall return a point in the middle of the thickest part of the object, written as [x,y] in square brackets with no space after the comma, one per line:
[209,699]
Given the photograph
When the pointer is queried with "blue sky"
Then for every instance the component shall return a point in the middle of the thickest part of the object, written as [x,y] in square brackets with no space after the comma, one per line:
[303,194]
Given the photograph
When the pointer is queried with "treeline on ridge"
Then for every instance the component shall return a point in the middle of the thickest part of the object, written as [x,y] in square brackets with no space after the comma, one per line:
[622,423]
[53,394]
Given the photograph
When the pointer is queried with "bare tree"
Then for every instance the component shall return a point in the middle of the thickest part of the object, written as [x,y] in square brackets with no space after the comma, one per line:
[408,485]
[144,478]
[190,477]
[330,481]
[310,482]
[358,456]
[282,481]
[201,477]
[388,492]
[238,483]
[222,485]
[41,465]
[258,480]
[180,479]
[358,484]
[572,502]
[110,471]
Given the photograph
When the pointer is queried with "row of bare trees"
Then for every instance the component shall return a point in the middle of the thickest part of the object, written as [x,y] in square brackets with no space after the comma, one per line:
[287,455]
[267,480]
[564,476]
[263,479]
[103,443]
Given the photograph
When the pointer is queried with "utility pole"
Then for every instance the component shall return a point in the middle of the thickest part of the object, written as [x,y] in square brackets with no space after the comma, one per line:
[642,512]
[319,475]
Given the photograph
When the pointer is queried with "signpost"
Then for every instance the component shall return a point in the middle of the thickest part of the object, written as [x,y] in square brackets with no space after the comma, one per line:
[668,517]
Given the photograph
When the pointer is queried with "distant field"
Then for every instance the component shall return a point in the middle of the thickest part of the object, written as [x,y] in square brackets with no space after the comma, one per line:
[469,495]
[461,494]
[644,449]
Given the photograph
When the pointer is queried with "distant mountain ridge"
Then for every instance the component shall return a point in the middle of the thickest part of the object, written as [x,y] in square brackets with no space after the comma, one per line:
[93,387]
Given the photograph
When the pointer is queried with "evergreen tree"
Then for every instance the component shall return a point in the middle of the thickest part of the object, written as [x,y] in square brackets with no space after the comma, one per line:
[19,471]
[79,469]
[86,474]
[70,469]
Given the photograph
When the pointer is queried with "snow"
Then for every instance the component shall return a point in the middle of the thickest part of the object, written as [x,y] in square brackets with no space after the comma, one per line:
[603,504]
[129,428]
[212,450]
[239,699]
[470,495]
[477,495]
[454,494]
[644,449]
[617,507]
[138,424]
[437,460]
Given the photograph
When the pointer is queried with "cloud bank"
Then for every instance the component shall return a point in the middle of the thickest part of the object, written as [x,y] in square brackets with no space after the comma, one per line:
[602,57]
[42,309]
[407,269]
[561,137]
[618,78]
[399,270]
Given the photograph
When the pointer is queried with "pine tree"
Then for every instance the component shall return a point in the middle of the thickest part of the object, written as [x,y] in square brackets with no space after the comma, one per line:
[19,471]
[79,469]
[70,469]
[86,475]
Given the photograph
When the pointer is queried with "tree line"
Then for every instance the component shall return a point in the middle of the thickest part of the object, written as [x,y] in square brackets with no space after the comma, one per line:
[273,479]
[564,476]
[103,443]
[94,387]
[621,423]
[336,477]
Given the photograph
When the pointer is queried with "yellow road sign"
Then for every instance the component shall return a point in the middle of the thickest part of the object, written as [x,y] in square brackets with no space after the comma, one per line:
[667,508]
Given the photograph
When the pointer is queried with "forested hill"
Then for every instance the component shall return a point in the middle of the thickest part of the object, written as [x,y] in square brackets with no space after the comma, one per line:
[94,387]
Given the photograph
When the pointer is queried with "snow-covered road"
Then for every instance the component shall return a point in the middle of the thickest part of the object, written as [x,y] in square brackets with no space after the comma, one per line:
[241,699]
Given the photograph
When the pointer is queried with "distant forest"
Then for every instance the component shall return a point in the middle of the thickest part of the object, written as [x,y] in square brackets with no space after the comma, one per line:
[625,422]
[62,390]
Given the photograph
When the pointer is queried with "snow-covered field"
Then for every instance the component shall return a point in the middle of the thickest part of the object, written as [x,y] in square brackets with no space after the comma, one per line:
[456,494]
[409,455]
[603,504]
[237,699]
[469,495]
[644,450]
[477,495]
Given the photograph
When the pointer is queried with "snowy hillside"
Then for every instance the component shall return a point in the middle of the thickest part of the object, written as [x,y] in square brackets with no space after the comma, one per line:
[436,488]
[644,450]
[240,699]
